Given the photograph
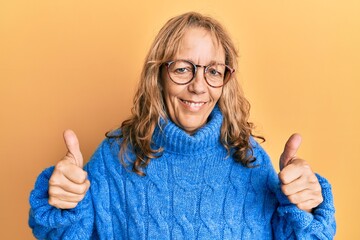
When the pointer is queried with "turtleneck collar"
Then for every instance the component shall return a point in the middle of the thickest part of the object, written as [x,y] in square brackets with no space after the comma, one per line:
[172,138]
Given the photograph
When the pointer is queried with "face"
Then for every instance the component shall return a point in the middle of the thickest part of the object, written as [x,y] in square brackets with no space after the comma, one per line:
[190,105]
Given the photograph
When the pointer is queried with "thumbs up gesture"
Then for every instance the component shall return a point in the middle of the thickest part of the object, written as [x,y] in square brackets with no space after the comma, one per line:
[298,181]
[68,183]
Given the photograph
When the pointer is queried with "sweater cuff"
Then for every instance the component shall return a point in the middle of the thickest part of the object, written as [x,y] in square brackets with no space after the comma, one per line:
[42,213]
[300,219]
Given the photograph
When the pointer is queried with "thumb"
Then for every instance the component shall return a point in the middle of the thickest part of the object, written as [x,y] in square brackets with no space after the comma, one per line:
[291,147]
[73,147]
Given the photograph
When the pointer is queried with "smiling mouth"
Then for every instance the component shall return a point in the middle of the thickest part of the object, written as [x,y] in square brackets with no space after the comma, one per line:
[193,104]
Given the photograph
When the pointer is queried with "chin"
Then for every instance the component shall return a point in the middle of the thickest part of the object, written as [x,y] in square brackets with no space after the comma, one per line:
[192,128]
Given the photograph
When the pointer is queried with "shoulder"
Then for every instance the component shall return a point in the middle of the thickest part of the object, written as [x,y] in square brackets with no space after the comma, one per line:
[106,155]
[261,156]
[108,148]
[263,172]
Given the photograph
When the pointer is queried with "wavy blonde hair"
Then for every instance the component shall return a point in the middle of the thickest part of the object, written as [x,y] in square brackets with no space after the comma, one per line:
[149,105]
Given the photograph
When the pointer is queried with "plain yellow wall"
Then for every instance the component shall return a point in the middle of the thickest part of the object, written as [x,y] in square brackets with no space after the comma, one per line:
[75,64]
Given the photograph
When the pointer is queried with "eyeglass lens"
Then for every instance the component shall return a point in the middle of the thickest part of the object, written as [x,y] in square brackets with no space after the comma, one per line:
[182,72]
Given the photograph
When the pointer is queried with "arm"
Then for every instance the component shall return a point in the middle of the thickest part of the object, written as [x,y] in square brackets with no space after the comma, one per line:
[60,203]
[290,222]
[49,222]
[292,218]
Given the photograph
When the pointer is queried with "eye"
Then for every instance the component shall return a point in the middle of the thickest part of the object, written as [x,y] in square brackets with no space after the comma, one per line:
[181,67]
[213,72]
[182,70]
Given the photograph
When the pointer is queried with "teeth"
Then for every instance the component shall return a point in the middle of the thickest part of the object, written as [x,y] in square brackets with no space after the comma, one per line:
[193,104]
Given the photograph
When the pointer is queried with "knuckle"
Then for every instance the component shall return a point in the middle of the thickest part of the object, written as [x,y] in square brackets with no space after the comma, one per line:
[79,189]
[52,192]
[318,188]
[83,177]
[293,199]
[52,201]
[313,179]
[87,186]
[61,165]
[306,206]
[305,165]
[53,181]
[282,177]
[73,205]
[70,205]
[285,190]
[302,206]
[83,188]
[299,205]
[80,198]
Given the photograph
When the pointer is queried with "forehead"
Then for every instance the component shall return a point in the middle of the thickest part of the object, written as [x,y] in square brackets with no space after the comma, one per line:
[200,46]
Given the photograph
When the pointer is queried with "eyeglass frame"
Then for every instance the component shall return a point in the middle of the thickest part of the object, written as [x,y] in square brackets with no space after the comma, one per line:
[196,66]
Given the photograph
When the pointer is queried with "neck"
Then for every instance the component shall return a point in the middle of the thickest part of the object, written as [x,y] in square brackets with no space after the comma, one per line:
[172,138]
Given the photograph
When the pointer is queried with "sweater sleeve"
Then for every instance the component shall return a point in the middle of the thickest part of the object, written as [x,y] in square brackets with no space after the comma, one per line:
[290,222]
[48,222]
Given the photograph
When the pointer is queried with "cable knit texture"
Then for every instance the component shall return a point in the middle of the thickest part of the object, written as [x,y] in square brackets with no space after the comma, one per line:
[194,190]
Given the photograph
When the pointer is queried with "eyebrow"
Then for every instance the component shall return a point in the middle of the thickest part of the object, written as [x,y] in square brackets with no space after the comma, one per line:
[190,60]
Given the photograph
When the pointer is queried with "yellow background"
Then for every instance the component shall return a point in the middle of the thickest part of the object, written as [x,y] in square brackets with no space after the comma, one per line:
[75,64]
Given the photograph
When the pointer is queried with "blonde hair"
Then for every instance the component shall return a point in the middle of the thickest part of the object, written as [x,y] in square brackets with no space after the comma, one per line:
[148,105]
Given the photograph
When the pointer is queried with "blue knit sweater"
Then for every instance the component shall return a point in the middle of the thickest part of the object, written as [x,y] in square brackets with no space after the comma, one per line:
[193,191]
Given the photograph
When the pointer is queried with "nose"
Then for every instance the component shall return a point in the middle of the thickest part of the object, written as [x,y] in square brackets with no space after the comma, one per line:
[198,85]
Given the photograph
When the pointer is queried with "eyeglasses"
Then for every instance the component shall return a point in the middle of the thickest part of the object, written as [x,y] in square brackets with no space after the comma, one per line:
[183,72]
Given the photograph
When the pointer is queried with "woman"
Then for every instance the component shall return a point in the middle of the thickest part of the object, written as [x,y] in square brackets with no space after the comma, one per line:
[189,166]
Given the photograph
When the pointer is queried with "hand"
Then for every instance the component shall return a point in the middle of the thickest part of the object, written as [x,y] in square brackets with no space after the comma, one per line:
[68,183]
[298,181]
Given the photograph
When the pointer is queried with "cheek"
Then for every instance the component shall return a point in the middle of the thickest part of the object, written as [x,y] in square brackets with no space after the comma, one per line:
[169,94]
[172,90]
[215,93]
[167,88]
